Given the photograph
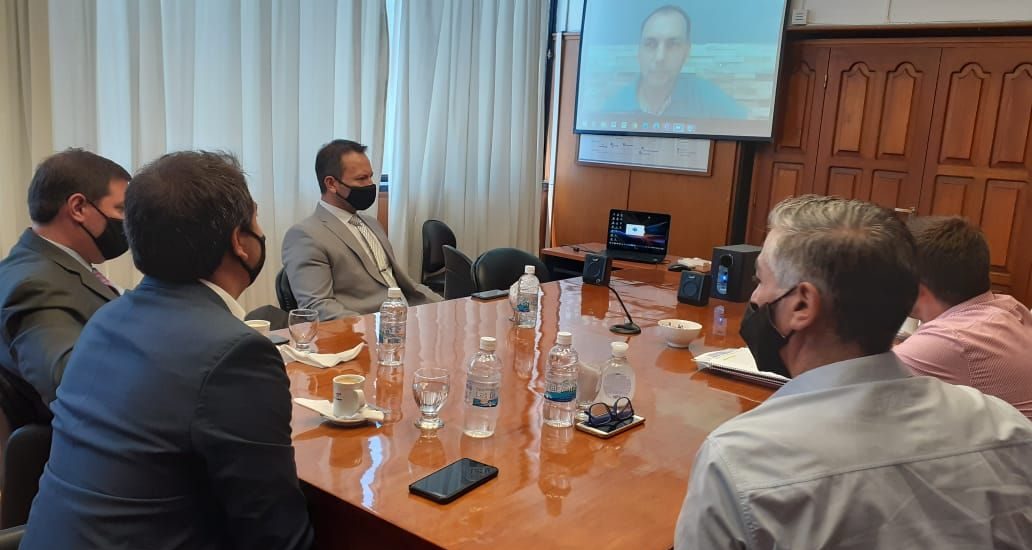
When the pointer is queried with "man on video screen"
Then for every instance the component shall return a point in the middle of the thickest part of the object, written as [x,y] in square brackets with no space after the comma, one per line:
[661,88]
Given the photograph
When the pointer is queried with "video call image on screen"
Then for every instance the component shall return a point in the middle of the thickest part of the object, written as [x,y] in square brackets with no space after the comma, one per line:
[679,67]
[638,232]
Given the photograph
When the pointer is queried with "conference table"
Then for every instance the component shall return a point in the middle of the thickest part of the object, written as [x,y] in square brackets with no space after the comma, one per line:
[556,487]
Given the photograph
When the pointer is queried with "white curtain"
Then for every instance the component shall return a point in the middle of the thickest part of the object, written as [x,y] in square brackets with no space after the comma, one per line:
[24,110]
[465,117]
[267,80]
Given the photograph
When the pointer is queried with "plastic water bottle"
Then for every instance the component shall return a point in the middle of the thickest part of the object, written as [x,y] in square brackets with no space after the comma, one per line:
[527,299]
[391,337]
[617,376]
[561,383]
[483,384]
[719,321]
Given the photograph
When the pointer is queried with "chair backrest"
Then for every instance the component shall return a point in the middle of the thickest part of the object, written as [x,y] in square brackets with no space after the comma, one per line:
[25,455]
[436,234]
[284,295]
[498,269]
[458,273]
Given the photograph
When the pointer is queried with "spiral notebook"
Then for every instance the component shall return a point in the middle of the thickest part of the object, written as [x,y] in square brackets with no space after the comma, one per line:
[739,363]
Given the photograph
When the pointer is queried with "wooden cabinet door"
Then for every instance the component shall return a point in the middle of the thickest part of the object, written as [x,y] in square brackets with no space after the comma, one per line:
[979,156]
[877,113]
[785,167]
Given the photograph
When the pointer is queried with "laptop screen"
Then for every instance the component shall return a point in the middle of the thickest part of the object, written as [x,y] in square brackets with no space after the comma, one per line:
[645,232]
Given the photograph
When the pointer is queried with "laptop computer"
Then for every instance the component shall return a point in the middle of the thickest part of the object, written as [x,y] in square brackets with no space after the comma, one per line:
[638,236]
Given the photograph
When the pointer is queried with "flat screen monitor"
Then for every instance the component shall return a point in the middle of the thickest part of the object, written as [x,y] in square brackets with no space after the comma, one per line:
[644,232]
[685,68]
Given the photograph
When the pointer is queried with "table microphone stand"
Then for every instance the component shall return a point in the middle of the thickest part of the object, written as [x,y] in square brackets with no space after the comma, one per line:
[624,328]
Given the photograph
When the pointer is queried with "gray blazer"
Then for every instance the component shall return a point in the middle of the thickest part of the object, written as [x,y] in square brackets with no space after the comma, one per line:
[329,270]
[46,297]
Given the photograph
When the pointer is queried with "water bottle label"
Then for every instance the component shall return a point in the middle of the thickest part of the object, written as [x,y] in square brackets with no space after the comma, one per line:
[481,397]
[562,392]
[523,306]
[392,335]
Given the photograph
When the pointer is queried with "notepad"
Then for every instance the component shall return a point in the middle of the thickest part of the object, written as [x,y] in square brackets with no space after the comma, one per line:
[739,363]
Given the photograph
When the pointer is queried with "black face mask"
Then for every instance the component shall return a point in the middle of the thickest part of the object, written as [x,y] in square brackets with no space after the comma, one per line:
[360,198]
[111,242]
[253,272]
[763,338]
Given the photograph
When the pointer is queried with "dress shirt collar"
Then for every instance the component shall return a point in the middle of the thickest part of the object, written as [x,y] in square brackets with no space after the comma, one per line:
[343,215]
[982,298]
[233,305]
[870,368]
[69,251]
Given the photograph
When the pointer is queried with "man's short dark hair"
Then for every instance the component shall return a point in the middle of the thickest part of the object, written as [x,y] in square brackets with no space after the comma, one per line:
[859,255]
[327,161]
[670,9]
[180,213]
[64,174]
[952,258]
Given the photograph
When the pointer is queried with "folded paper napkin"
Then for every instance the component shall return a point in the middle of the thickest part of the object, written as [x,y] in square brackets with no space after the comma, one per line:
[320,360]
[325,408]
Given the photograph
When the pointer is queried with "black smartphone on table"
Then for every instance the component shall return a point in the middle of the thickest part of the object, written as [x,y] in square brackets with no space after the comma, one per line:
[486,295]
[454,480]
[277,339]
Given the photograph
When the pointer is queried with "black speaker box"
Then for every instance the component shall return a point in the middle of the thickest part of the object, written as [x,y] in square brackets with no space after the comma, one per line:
[694,288]
[734,271]
[597,269]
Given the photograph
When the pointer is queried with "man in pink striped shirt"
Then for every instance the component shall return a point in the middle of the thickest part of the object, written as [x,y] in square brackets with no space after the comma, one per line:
[969,335]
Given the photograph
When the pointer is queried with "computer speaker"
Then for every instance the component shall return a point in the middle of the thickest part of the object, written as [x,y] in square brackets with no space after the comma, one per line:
[734,272]
[694,288]
[597,269]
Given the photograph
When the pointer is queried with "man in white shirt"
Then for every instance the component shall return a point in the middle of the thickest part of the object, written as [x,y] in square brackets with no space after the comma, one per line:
[49,286]
[337,261]
[853,452]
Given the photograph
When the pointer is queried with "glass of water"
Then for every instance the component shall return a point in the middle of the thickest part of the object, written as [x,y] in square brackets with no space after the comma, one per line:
[589,381]
[430,389]
[303,325]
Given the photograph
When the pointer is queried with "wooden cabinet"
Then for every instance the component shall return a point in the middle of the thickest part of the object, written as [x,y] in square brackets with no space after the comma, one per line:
[934,127]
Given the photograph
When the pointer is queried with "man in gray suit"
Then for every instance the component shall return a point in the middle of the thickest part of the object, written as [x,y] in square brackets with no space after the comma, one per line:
[337,261]
[49,286]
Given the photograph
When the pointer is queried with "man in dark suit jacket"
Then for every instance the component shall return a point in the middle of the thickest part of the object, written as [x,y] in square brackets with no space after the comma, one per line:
[339,262]
[48,285]
[172,424]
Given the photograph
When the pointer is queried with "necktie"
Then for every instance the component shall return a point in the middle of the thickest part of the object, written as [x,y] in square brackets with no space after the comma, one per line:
[374,247]
[104,280]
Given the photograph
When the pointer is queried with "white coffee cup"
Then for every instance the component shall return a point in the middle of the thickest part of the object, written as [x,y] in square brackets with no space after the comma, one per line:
[260,325]
[348,397]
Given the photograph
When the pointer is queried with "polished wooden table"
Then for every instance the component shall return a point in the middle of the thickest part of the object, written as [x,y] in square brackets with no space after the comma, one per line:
[557,488]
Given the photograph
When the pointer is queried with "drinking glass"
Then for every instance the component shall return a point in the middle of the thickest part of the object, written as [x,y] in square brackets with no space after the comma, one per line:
[589,381]
[514,295]
[430,389]
[303,325]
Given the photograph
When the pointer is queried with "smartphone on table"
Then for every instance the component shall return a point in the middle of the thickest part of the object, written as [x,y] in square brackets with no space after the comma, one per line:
[486,295]
[454,480]
[606,431]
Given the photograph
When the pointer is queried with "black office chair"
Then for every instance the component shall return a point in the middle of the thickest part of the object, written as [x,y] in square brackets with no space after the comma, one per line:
[458,273]
[276,317]
[436,234]
[498,269]
[284,295]
[25,455]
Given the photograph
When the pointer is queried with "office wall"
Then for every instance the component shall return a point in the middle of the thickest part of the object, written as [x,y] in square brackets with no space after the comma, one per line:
[699,205]
[927,126]
[869,12]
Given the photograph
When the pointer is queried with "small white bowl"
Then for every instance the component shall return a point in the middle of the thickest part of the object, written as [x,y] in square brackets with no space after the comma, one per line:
[679,333]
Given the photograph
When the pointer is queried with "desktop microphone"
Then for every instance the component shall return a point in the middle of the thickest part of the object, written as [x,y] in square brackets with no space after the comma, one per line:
[624,328]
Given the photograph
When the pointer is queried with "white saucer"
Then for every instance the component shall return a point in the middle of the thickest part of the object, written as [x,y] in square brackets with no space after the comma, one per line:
[353,420]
